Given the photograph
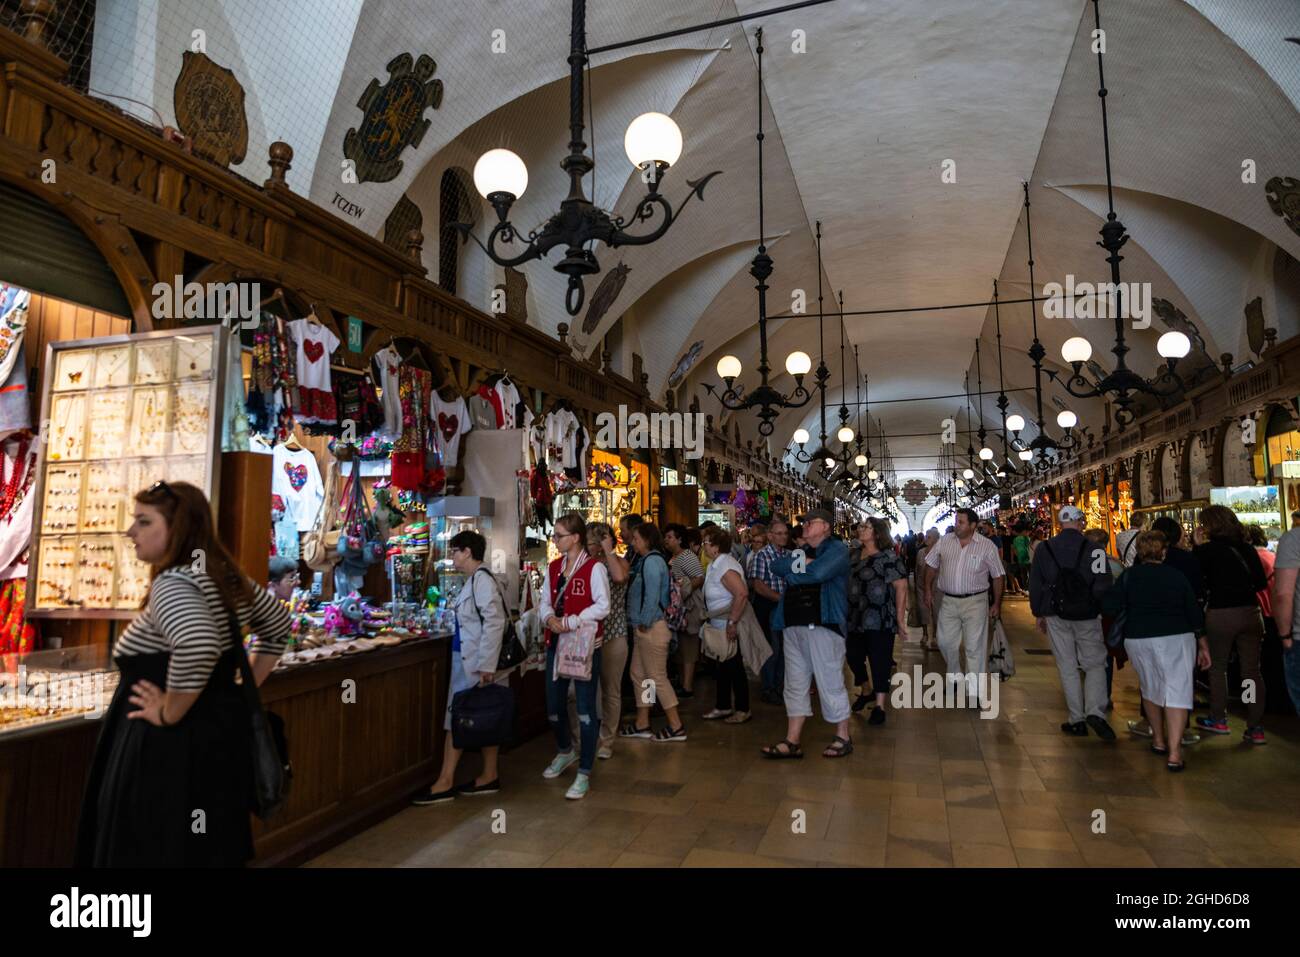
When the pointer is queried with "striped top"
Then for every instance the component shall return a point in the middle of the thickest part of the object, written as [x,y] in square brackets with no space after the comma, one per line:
[185,617]
[964,570]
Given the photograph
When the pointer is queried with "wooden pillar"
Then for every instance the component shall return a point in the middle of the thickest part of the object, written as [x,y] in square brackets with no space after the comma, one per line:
[244,513]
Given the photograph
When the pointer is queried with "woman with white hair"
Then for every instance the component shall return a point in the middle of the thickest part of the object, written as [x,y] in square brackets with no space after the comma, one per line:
[929,640]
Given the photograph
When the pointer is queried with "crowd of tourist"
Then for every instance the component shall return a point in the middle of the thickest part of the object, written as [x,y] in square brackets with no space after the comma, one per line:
[795,607]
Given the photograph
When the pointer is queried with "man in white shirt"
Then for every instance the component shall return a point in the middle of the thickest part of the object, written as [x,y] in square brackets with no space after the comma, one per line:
[965,566]
[1126,541]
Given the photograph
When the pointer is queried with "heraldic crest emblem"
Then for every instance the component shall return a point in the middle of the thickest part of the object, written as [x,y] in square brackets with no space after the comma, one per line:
[394,117]
[209,104]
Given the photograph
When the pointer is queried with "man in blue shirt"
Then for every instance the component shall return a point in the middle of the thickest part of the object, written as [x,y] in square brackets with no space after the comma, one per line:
[813,634]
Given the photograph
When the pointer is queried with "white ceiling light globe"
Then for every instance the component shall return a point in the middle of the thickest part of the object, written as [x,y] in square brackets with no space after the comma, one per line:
[986,454]
[830,463]
[798,363]
[500,171]
[968,474]
[651,137]
[1173,345]
[1067,419]
[873,475]
[801,436]
[960,483]
[1015,422]
[1076,349]
[1026,455]
[728,367]
[845,434]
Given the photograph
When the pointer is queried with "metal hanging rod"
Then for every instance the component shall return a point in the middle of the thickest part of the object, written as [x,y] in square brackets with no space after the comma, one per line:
[622,44]
[887,312]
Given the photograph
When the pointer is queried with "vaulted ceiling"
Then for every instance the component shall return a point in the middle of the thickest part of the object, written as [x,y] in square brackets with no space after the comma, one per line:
[866,103]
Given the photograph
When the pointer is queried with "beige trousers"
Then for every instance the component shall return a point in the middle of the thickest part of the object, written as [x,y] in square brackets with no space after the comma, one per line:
[650,666]
[613,658]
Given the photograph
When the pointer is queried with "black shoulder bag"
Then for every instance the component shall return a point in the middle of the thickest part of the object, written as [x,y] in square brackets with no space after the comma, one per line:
[512,649]
[272,772]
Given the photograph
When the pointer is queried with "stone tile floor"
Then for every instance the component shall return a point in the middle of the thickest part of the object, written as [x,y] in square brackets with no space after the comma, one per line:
[932,788]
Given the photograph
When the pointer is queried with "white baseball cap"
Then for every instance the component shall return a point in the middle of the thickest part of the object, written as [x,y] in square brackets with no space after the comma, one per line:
[1071,513]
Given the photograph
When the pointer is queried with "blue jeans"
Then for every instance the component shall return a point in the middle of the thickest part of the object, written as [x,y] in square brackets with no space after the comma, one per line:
[1291,668]
[557,710]
[773,671]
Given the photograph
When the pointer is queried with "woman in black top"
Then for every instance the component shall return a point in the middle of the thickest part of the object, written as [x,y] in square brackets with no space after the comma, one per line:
[1234,576]
[1161,619]
[175,742]
[877,612]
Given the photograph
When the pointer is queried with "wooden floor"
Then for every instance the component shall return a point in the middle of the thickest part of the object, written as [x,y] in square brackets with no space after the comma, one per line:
[932,788]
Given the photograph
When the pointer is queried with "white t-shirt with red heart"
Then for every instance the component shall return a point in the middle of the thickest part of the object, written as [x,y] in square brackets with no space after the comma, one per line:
[450,420]
[316,343]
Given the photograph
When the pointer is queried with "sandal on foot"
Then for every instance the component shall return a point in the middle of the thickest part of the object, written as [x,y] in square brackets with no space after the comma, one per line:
[1175,768]
[774,752]
[668,734]
[1156,750]
[739,717]
[630,730]
[838,748]
[717,713]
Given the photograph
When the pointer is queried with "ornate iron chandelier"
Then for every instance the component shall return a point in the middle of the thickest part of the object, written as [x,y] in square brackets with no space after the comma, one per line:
[1123,384]
[766,400]
[653,143]
[823,376]
[1043,453]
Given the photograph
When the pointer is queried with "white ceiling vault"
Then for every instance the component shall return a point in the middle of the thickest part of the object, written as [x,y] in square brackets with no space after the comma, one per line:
[864,102]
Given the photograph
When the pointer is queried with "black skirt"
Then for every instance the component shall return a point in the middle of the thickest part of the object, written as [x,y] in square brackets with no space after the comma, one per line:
[178,796]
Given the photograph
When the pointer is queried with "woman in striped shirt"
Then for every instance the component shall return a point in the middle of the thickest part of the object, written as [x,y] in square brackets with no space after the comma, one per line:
[174,750]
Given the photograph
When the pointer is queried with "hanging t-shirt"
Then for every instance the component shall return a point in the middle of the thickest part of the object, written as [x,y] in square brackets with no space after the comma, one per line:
[13,325]
[450,422]
[388,362]
[316,343]
[296,479]
[481,413]
[509,403]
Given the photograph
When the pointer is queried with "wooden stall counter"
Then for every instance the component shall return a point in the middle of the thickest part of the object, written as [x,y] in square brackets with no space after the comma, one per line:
[365,733]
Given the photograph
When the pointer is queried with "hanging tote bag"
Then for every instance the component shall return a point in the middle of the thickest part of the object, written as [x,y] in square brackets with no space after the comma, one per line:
[1001,659]
[715,643]
[272,772]
[574,651]
[318,550]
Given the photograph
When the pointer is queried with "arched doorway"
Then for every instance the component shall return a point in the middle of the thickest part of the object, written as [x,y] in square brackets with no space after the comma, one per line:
[454,206]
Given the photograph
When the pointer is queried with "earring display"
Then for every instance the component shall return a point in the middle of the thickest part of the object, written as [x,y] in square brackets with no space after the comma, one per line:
[149,408]
[67,427]
[57,573]
[132,576]
[97,559]
[153,361]
[72,371]
[122,413]
[113,366]
[105,489]
[108,420]
[62,499]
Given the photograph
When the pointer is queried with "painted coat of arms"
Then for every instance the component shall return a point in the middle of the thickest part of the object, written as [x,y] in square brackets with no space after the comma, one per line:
[209,104]
[394,117]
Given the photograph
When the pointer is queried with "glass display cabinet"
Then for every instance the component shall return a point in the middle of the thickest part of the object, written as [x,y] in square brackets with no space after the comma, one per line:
[43,688]
[447,516]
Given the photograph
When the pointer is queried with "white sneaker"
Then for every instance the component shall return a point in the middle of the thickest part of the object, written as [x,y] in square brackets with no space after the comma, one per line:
[560,764]
[604,753]
[578,789]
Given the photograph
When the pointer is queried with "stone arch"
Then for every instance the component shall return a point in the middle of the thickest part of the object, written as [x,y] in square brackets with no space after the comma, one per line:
[455,205]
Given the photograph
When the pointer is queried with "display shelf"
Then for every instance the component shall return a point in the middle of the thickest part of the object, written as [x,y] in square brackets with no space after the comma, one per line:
[122,413]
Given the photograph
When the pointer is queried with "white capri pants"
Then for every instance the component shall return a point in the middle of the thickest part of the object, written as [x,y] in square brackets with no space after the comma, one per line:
[815,652]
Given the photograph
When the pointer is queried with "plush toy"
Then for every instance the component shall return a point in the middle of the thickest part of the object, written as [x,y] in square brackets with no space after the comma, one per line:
[344,615]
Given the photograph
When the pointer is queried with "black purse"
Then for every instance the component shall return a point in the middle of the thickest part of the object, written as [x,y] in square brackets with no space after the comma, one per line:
[272,772]
[482,717]
[803,605]
[512,649]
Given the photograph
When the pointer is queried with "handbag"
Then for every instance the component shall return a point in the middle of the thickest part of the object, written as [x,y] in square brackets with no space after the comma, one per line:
[482,717]
[1001,659]
[1115,634]
[716,645]
[320,545]
[272,771]
[803,605]
[574,651]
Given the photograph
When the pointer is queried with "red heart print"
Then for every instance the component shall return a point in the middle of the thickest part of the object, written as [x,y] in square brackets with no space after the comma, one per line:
[449,425]
[297,475]
[312,349]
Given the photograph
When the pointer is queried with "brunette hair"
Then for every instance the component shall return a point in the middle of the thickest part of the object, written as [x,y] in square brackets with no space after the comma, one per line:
[1255,535]
[714,535]
[1169,528]
[649,533]
[1151,547]
[1222,522]
[191,533]
[574,524]
[879,533]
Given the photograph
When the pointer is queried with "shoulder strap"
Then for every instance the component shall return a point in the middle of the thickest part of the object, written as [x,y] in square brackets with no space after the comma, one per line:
[1132,544]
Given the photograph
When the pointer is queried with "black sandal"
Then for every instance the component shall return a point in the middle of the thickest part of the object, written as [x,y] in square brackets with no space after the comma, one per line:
[1156,750]
[839,748]
[792,750]
[1175,768]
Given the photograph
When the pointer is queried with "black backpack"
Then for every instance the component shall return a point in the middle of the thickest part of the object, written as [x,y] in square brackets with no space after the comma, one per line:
[1072,598]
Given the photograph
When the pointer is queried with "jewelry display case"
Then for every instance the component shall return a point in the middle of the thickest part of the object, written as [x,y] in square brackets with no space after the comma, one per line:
[120,413]
[55,685]
[447,516]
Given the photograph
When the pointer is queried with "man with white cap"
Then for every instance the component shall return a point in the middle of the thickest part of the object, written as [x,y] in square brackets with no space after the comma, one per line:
[1066,582]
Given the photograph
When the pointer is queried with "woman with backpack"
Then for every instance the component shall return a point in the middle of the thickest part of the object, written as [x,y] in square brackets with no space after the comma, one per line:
[1234,576]
[481,623]
[648,597]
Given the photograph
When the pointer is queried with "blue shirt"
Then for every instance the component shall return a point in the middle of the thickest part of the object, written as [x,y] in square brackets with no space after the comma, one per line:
[830,570]
[647,594]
